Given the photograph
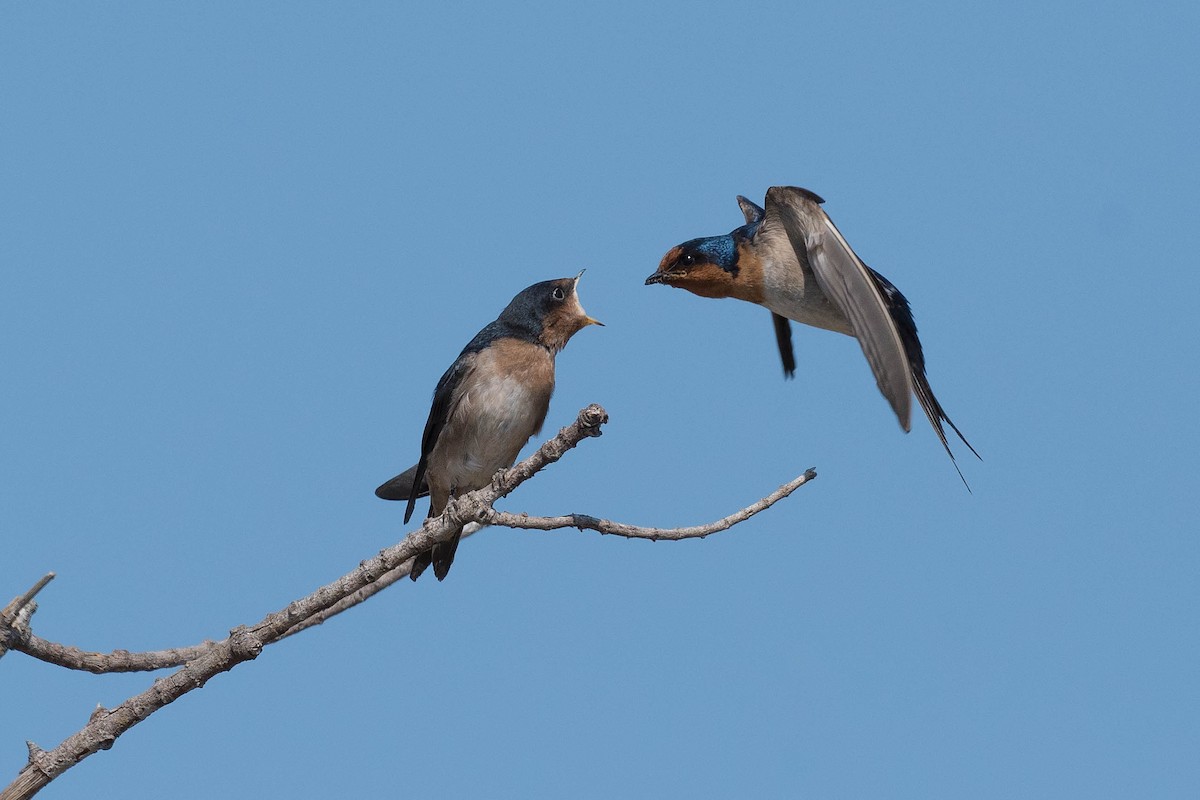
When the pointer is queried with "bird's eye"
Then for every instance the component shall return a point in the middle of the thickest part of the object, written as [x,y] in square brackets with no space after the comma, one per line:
[558,293]
[688,260]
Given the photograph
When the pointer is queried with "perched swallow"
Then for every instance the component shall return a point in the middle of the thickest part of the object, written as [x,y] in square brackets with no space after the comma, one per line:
[790,258]
[492,399]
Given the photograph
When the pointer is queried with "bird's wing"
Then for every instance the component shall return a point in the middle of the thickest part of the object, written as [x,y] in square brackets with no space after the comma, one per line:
[848,284]
[445,398]
[752,211]
[901,312]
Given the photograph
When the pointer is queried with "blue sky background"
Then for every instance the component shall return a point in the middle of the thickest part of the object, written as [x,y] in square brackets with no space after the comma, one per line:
[240,245]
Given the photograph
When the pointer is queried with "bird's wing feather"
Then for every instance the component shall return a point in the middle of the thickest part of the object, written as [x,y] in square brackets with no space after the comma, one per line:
[445,398]
[750,210]
[847,282]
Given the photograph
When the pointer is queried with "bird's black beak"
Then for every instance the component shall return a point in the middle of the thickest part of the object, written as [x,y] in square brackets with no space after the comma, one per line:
[657,277]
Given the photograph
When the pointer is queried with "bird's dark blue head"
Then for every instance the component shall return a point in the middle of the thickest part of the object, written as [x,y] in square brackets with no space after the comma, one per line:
[547,313]
[691,256]
[684,265]
[719,250]
[711,266]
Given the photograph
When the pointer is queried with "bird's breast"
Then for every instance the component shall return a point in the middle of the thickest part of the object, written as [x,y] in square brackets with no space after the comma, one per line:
[791,290]
[503,403]
[751,281]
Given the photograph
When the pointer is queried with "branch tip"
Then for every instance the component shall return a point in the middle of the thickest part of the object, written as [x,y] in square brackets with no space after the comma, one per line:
[591,418]
[18,603]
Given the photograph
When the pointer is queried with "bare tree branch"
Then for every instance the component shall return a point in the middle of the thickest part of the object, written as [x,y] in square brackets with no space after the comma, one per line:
[586,425]
[117,661]
[199,663]
[245,643]
[147,661]
[367,591]
[585,522]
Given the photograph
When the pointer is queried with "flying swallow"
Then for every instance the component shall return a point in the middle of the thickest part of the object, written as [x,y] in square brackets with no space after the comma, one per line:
[792,259]
[492,399]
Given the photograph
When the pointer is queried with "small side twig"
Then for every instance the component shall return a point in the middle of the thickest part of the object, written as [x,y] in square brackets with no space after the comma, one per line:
[14,618]
[13,608]
[586,522]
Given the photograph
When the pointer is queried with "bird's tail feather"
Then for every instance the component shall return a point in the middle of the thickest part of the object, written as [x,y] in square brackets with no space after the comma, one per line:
[901,313]
[420,562]
[443,555]
[937,415]
[401,486]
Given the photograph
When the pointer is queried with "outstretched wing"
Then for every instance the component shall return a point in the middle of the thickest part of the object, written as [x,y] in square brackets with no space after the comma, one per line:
[849,285]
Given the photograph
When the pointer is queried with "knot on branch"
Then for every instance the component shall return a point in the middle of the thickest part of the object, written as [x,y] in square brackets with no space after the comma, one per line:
[15,632]
[585,521]
[461,510]
[36,755]
[244,645]
[591,418]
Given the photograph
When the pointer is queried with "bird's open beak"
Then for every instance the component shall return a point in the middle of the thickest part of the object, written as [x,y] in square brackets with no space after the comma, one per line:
[658,277]
[586,319]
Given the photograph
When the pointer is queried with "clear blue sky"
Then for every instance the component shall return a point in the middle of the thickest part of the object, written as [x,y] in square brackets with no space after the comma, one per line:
[240,245]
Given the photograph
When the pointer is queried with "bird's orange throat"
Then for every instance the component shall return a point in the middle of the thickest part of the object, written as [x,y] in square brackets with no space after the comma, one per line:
[710,280]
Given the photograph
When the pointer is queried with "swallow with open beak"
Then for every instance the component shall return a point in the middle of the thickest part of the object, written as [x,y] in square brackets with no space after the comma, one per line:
[489,403]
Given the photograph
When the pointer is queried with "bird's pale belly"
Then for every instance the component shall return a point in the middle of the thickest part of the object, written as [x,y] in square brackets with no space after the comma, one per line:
[795,295]
[488,429]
